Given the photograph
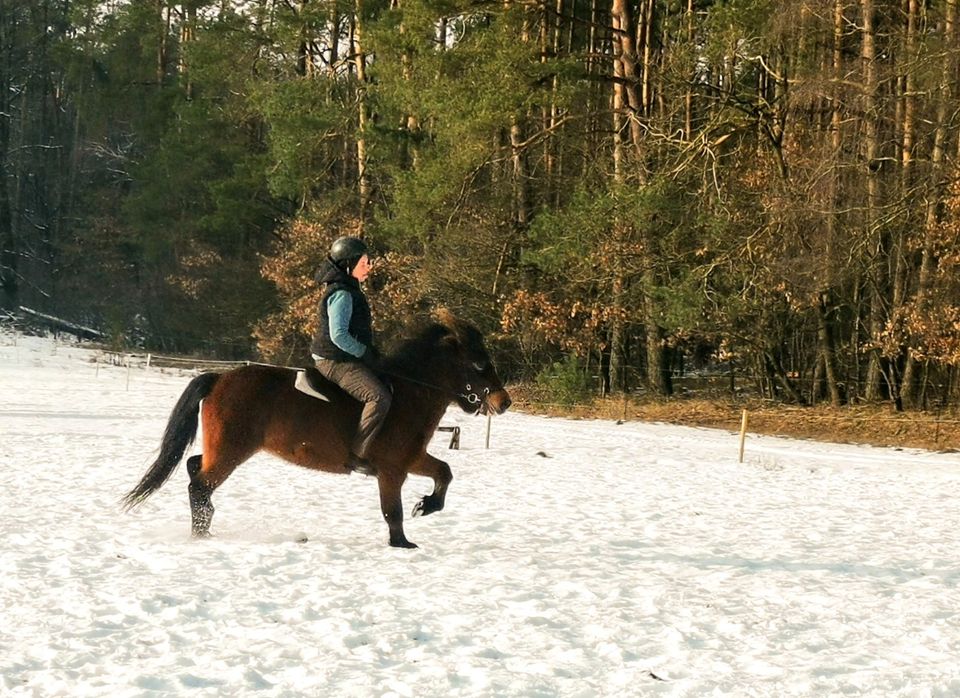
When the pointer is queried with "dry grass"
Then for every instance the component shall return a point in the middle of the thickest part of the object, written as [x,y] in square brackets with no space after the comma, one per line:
[877,425]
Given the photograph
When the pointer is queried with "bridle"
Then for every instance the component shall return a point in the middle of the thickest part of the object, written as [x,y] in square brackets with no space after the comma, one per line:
[472,396]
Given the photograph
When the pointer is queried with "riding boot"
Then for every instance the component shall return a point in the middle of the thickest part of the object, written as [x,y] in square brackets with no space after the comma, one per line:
[359,464]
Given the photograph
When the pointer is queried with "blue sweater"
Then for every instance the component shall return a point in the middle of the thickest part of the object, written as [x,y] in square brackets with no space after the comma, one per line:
[339,310]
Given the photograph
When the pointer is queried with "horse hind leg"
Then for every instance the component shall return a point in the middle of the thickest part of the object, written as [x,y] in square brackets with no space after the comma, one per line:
[201,508]
[226,444]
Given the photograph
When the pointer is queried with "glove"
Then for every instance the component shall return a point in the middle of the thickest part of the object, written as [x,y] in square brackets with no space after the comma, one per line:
[371,357]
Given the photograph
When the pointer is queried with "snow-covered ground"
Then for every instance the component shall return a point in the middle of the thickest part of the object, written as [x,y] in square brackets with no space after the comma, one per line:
[575,558]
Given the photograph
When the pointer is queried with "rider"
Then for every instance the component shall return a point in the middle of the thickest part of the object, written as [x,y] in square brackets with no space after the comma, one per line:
[343,345]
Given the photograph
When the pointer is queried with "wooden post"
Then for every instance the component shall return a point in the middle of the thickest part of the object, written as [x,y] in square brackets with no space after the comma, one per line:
[488,431]
[743,432]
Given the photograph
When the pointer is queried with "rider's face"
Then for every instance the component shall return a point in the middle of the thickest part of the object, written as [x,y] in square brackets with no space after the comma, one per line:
[362,269]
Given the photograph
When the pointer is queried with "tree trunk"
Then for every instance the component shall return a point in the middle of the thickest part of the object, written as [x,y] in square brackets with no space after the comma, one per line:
[779,374]
[871,141]
[633,105]
[39,172]
[645,30]
[899,266]
[912,388]
[163,31]
[304,50]
[334,24]
[625,53]
[825,332]
[410,122]
[616,284]
[187,30]
[826,347]
[551,161]
[360,62]
[688,93]
[521,215]
[9,254]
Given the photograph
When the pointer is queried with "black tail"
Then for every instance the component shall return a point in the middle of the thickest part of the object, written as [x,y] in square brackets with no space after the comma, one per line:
[180,432]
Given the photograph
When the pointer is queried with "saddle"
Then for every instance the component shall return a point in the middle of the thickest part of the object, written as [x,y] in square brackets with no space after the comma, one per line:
[311,382]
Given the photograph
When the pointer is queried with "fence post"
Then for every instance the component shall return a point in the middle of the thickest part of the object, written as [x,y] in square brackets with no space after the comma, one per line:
[489,418]
[454,436]
[743,432]
[936,434]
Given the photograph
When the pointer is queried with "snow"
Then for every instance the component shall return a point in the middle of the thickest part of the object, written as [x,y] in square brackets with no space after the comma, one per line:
[574,558]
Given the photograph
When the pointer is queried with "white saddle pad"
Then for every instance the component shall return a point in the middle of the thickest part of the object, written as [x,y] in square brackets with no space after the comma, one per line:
[303,385]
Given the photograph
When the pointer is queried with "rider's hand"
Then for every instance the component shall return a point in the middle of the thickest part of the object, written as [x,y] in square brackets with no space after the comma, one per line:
[371,357]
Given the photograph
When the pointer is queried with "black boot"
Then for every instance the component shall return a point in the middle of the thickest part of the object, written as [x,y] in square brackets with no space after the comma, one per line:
[359,464]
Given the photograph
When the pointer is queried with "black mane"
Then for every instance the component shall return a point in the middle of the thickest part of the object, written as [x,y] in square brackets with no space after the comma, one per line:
[414,353]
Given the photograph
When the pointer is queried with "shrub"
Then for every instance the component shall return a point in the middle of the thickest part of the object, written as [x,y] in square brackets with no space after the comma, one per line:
[565,382]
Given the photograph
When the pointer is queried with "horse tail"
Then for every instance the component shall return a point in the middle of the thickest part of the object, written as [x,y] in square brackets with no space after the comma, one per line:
[180,433]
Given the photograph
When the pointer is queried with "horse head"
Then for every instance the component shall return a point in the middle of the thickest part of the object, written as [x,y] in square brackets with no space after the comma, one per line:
[477,385]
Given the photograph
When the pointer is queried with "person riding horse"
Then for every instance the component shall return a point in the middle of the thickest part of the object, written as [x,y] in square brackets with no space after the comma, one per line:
[257,407]
[342,348]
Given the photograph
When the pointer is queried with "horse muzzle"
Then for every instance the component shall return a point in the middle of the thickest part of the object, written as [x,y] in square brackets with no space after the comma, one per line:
[497,402]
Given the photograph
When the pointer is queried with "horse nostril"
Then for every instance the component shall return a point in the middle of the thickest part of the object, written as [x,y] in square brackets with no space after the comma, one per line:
[505,405]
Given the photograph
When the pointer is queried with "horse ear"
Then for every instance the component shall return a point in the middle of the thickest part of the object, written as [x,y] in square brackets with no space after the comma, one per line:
[446,318]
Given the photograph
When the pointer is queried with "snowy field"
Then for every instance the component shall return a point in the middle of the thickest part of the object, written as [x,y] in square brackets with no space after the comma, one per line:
[574,558]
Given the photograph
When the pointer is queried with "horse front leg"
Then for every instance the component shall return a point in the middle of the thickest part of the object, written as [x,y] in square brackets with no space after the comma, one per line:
[440,472]
[392,509]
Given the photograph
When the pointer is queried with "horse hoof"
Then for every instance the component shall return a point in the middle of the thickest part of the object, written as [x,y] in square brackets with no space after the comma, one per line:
[403,544]
[425,506]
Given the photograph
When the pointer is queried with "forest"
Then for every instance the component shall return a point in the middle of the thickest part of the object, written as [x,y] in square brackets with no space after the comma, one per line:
[618,193]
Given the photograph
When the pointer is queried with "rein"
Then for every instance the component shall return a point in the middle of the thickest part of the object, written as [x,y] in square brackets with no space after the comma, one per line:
[470,396]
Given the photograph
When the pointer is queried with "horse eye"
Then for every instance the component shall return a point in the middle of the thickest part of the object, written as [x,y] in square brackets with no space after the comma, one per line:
[479,366]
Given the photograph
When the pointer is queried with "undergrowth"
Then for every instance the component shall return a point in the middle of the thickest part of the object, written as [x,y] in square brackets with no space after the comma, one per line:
[876,425]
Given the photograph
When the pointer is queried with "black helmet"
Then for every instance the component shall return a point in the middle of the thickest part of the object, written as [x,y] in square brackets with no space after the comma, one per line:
[347,251]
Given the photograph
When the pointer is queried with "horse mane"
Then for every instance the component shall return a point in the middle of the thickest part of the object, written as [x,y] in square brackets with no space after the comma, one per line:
[413,355]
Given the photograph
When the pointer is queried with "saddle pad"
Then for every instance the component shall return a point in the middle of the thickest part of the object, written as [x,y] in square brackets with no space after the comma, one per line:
[303,385]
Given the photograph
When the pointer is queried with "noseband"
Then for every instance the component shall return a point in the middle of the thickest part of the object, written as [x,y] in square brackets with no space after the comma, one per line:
[473,397]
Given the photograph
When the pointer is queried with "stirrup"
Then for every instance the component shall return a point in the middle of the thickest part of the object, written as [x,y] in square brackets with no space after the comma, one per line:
[357,464]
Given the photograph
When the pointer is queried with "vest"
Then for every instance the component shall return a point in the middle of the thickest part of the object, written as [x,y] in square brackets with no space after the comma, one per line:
[335,280]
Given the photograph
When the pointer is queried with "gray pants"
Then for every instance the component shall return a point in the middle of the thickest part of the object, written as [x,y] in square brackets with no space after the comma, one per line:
[360,383]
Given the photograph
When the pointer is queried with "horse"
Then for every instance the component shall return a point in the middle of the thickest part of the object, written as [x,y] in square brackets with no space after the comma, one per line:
[258,408]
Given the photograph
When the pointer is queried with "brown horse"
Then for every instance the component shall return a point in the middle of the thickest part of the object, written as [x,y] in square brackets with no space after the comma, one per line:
[258,408]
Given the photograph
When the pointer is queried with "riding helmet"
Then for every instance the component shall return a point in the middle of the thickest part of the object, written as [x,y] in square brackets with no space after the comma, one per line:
[347,251]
